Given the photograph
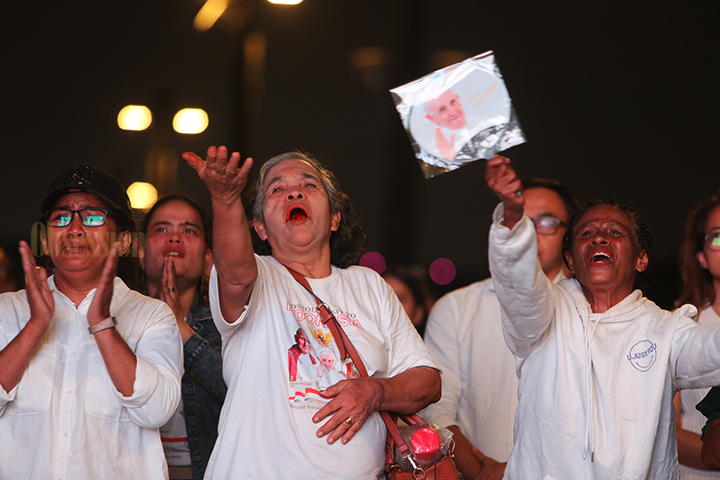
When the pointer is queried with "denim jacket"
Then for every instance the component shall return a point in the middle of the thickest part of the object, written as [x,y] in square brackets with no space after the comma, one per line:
[203,387]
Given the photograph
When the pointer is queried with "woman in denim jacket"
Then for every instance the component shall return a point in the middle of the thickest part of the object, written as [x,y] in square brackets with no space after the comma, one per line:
[176,259]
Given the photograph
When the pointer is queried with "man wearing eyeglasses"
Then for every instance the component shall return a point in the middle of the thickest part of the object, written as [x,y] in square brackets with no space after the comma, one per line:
[89,369]
[464,334]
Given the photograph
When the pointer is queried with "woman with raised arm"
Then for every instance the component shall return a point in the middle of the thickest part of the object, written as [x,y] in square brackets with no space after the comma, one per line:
[700,270]
[295,406]
[598,363]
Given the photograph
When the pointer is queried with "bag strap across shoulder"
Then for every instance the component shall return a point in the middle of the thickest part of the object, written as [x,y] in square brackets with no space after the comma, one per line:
[347,349]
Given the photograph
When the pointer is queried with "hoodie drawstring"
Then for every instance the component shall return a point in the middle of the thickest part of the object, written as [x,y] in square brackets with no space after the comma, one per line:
[590,393]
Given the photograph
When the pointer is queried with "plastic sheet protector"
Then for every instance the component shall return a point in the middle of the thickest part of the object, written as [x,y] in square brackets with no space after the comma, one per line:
[457,115]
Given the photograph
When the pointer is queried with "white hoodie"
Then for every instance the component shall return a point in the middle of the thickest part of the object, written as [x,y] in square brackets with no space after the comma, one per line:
[596,390]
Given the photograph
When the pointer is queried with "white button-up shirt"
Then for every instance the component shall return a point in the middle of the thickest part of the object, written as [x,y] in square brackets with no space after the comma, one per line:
[65,419]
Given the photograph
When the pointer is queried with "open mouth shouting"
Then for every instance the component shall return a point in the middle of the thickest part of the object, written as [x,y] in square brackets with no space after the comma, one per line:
[600,257]
[296,214]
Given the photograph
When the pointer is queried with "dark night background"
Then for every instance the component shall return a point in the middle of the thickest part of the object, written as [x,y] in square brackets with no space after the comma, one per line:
[616,100]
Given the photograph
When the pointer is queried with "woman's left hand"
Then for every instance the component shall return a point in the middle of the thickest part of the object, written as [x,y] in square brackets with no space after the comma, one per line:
[99,308]
[352,403]
[168,292]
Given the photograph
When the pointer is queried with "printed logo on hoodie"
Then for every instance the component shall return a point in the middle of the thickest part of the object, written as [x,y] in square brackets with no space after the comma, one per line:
[642,355]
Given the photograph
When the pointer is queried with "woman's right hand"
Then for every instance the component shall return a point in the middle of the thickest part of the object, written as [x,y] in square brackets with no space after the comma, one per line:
[221,174]
[39,296]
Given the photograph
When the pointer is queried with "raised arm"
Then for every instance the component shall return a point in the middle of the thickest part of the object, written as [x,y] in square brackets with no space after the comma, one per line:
[502,180]
[119,359]
[16,356]
[522,288]
[232,245]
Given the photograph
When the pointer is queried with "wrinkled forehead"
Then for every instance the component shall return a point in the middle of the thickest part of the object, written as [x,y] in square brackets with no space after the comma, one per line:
[291,167]
[80,198]
[606,215]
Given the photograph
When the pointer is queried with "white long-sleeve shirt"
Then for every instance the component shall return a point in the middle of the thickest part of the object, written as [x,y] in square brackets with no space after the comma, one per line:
[65,419]
[479,384]
[596,389]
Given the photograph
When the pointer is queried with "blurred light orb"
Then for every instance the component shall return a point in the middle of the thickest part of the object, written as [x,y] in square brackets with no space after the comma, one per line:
[142,195]
[285,2]
[209,14]
[442,271]
[374,261]
[190,121]
[134,117]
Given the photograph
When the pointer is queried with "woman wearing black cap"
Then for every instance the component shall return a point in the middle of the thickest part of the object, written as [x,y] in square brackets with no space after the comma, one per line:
[88,368]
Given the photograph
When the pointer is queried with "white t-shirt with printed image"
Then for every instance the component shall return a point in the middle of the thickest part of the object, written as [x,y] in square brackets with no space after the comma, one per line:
[266,428]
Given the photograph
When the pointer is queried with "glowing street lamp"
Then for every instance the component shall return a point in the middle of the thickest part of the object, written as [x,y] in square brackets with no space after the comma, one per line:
[134,117]
[190,121]
[161,161]
[142,195]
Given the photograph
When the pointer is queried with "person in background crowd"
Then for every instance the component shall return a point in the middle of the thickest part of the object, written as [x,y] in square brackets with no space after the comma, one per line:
[306,223]
[89,369]
[710,407]
[10,273]
[464,335]
[409,291]
[176,260]
[598,363]
[700,270]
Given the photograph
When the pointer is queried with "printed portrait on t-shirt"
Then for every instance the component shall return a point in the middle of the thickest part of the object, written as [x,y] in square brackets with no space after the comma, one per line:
[302,364]
[314,364]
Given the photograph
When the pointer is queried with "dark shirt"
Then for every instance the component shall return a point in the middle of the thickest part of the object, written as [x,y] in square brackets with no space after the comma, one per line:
[203,387]
[710,406]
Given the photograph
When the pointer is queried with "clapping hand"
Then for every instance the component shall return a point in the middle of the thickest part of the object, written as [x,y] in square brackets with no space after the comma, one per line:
[40,298]
[100,306]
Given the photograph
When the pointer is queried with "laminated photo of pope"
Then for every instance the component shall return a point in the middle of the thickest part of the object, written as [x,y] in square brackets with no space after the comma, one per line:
[457,115]
[446,111]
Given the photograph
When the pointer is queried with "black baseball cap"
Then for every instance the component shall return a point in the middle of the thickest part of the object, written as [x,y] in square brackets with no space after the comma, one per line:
[88,178]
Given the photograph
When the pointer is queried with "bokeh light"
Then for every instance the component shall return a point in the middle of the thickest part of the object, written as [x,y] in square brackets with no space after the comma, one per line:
[209,14]
[142,195]
[442,271]
[285,2]
[373,260]
[190,121]
[134,117]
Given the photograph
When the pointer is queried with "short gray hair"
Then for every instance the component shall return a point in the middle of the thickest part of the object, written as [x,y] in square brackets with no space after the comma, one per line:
[330,183]
[346,244]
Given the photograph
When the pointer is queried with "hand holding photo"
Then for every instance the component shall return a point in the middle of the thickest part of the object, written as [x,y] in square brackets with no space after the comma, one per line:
[458,114]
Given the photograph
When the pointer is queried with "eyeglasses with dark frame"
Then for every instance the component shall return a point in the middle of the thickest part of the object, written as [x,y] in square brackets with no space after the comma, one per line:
[712,239]
[89,217]
[547,224]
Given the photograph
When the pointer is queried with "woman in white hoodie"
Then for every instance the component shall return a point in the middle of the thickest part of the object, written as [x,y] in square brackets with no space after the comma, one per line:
[598,363]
